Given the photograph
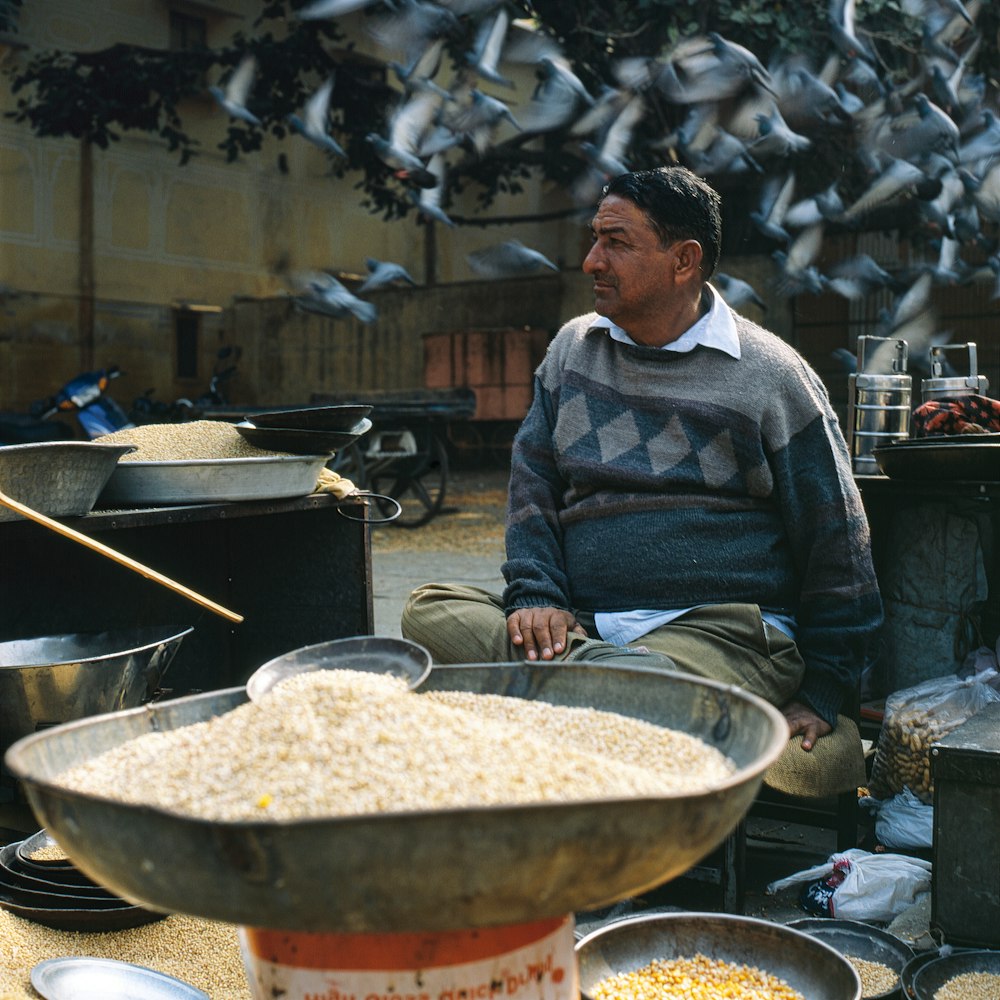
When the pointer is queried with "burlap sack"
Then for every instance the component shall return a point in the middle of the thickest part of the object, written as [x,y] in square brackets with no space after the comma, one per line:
[835,764]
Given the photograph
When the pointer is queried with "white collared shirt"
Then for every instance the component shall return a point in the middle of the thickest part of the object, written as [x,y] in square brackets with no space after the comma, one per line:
[716,329]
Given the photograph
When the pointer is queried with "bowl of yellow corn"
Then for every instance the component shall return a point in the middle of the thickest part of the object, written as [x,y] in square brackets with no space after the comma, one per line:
[702,956]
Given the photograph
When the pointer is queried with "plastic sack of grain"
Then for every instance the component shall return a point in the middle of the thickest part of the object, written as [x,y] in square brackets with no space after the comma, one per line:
[915,719]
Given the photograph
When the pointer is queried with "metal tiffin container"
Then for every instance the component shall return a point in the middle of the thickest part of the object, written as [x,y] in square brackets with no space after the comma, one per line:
[879,401]
[943,384]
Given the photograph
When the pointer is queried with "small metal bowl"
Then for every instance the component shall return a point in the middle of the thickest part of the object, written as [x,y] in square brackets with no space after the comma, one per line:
[934,975]
[915,964]
[860,940]
[805,962]
[370,653]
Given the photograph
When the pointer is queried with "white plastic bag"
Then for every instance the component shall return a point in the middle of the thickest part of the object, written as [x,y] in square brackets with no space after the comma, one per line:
[903,822]
[876,887]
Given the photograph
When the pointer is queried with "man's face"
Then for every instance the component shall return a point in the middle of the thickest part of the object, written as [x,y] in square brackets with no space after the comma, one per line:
[633,273]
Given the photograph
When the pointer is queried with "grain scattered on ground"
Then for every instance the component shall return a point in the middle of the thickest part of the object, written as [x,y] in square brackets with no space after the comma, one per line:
[204,953]
[471,521]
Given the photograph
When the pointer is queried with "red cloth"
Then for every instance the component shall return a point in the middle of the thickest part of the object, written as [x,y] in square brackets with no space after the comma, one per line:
[964,415]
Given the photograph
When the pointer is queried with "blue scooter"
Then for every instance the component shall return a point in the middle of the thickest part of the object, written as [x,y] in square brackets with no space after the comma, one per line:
[83,396]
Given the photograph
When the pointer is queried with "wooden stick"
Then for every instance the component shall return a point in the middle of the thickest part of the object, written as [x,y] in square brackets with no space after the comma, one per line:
[118,557]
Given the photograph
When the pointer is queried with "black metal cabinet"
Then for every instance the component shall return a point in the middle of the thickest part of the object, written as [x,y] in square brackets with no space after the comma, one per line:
[298,571]
[965,898]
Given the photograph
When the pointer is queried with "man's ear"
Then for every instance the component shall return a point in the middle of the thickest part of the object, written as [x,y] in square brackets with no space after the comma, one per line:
[687,260]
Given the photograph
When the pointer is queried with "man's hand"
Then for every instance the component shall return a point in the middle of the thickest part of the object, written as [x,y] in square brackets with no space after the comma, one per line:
[802,719]
[542,632]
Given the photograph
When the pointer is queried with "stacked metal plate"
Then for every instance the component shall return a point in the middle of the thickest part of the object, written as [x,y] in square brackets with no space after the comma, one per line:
[302,441]
[39,883]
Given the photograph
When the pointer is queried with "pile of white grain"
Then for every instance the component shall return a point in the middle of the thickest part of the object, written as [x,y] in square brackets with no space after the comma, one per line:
[341,742]
[193,439]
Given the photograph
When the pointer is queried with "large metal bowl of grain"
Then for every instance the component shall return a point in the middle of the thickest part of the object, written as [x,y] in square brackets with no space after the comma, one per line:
[56,478]
[51,679]
[813,968]
[421,870]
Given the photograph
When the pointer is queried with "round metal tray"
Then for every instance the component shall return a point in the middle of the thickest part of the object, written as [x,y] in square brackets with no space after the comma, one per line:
[212,480]
[72,977]
[969,457]
[431,870]
[807,964]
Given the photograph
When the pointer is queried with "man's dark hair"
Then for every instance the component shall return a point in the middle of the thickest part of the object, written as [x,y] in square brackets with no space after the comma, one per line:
[679,204]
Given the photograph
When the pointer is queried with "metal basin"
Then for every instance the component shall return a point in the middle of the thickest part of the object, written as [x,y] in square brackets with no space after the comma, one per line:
[861,940]
[929,979]
[57,478]
[53,679]
[433,870]
[808,965]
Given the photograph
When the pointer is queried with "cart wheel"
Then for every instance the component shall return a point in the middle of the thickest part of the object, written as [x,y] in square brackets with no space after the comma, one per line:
[416,483]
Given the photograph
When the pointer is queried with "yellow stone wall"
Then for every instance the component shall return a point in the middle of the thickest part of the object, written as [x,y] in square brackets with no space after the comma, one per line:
[209,233]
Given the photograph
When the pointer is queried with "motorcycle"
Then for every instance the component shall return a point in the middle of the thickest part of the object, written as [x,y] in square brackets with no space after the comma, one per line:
[147,409]
[84,396]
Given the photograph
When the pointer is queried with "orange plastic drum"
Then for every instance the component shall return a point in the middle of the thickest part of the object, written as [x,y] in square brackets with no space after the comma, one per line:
[533,961]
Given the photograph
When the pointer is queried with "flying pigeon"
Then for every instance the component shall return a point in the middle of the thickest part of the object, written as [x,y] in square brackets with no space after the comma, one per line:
[508,260]
[322,293]
[381,273]
[485,55]
[233,98]
[313,125]
[736,292]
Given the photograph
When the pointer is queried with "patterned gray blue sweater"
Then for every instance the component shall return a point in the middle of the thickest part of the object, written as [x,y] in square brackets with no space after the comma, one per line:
[652,479]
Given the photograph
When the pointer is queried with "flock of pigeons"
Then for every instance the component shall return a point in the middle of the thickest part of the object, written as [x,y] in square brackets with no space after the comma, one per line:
[924,152]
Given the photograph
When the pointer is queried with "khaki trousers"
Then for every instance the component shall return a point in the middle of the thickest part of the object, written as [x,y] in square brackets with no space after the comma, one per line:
[729,643]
